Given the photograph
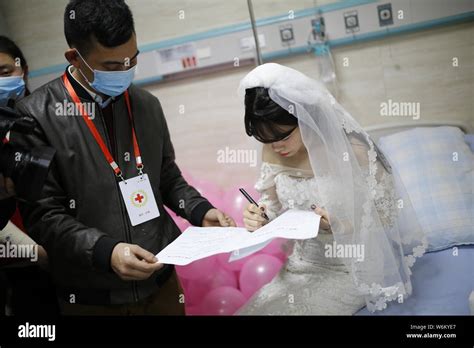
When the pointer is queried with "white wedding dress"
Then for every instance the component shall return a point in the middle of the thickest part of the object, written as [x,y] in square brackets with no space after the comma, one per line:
[356,184]
[309,283]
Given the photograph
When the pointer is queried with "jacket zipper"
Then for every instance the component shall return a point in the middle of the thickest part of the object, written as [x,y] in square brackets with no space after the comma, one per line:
[128,233]
[128,236]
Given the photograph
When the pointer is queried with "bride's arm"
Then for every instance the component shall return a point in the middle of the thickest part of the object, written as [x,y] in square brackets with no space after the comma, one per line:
[253,216]
[266,186]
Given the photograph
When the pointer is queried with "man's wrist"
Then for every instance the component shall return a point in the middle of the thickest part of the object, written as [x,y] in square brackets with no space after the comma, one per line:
[199,211]
[103,251]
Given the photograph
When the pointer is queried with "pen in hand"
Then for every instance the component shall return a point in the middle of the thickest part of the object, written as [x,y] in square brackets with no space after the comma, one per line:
[251,200]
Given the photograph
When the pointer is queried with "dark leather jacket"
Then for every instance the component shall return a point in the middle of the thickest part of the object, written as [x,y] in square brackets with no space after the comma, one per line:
[82,216]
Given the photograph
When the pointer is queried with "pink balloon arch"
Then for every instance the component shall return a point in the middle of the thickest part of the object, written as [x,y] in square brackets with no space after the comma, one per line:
[214,286]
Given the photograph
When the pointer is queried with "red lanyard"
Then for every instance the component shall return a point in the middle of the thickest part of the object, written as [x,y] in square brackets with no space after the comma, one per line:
[96,134]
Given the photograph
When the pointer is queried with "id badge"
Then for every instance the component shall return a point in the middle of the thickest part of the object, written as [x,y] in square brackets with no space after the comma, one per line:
[139,199]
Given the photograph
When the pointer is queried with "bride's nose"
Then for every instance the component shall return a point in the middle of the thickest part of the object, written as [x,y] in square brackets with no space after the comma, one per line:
[276,146]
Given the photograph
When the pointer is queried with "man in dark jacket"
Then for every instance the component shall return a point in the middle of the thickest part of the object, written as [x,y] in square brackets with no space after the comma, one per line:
[113,154]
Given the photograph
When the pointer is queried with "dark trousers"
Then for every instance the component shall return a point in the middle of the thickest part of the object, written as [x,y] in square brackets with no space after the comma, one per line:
[165,301]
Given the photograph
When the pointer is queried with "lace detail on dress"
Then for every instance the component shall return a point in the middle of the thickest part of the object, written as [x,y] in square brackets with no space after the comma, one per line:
[283,189]
[310,282]
[378,297]
[266,186]
[385,200]
[297,193]
[383,194]
[267,175]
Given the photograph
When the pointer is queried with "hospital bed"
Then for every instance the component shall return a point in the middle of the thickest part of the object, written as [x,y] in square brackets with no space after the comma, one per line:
[442,283]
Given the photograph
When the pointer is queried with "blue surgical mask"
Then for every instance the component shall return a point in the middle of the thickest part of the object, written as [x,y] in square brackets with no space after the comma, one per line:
[111,83]
[11,87]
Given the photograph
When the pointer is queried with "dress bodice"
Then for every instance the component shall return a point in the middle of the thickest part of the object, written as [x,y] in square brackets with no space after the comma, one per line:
[284,188]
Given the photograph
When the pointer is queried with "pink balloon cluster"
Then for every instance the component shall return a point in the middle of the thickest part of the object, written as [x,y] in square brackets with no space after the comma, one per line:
[214,286]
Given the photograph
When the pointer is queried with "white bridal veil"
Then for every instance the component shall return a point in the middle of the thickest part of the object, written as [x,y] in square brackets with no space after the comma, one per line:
[369,206]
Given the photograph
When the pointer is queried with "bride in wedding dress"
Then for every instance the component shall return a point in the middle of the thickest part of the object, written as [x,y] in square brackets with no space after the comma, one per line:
[317,157]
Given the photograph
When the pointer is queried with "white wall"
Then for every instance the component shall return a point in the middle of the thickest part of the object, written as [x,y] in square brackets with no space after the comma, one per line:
[37,25]
[3,25]
[412,67]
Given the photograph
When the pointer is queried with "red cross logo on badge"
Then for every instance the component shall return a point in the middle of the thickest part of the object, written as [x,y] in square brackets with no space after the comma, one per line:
[139,198]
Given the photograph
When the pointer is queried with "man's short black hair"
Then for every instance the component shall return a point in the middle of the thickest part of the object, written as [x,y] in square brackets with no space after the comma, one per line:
[108,21]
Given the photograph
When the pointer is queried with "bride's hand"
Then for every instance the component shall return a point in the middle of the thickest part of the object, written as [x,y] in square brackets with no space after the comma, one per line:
[325,223]
[253,217]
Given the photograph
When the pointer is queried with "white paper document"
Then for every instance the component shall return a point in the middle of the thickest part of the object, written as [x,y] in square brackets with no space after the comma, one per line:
[199,242]
[241,253]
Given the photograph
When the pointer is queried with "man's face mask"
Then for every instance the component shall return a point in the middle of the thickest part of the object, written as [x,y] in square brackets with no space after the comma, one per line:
[111,83]
[11,87]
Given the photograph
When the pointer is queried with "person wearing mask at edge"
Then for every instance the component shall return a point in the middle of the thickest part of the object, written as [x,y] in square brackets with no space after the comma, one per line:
[113,155]
[30,284]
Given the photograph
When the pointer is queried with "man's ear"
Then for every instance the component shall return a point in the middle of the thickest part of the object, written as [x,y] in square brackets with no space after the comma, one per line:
[72,57]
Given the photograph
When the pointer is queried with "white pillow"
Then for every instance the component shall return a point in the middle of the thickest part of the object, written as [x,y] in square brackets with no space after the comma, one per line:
[437,168]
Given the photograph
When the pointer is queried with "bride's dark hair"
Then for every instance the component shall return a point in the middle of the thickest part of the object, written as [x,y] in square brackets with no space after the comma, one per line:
[264,118]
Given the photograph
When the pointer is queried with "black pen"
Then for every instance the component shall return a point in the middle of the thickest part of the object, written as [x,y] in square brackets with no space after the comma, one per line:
[251,200]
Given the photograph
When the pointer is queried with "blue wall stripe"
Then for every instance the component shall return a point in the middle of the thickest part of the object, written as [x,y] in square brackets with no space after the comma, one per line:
[463,17]
[48,70]
[220,31]
[149,80]
[459,18]
[246,26]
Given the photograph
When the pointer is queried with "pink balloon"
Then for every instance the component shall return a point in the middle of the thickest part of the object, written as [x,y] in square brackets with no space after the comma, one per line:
[222,301]
[184,282]
[222,277]
[228,200]
[182,223]
[207,189]
[277,248]
[197,289]
[197,269]
[274,247]
[236,202]
[257,272]
[235,266]
[194,293]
